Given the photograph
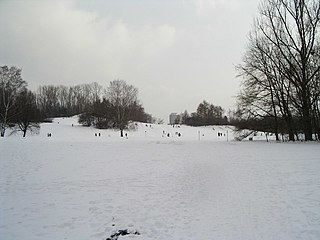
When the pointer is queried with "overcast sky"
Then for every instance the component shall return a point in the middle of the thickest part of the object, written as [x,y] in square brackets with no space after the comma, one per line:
[176,52]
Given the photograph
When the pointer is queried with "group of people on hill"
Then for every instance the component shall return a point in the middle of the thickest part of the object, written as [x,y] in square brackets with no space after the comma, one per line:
[221,134]
[165,134]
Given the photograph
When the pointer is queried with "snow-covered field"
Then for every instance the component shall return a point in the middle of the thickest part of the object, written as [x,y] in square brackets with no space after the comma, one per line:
[75,185]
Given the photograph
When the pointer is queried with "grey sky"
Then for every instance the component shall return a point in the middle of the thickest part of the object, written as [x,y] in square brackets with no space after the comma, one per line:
[176,52]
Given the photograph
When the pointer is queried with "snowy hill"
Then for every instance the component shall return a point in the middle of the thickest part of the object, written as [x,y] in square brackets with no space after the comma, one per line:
[70,129]
[78,186]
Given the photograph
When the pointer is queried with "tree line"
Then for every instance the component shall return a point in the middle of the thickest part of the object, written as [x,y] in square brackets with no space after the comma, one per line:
[206,114]
[23,109]
[119,106]
[280,90]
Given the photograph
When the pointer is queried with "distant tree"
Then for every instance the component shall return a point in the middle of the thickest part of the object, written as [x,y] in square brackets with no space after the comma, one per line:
[122,96]
[113,110]
[203,112]
[177,120]
[137,113]
[184,117]
[225,120]
[209,114]
[157,120]
[63,92]
[194,120]
[11,84]
[103,113]
[60,100]
[27,114]
[86,119]
[48,100]
[216,114]
[97,91]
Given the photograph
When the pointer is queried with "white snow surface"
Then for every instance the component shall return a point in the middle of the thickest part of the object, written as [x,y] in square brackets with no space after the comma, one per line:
[77,186]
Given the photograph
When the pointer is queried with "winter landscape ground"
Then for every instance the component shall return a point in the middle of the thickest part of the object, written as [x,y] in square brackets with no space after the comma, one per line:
[77,186]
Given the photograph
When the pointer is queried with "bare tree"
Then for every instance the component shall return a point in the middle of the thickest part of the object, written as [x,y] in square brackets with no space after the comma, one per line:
[27,114]
[122,96]
[97,91]
[63,100]
[11,83]
[48,100]
[282,60]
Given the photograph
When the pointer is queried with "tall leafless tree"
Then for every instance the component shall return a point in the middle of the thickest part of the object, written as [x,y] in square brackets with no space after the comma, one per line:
[282,60]
[122,96]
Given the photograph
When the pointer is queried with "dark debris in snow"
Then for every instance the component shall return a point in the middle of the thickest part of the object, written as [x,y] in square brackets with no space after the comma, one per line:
[122,233]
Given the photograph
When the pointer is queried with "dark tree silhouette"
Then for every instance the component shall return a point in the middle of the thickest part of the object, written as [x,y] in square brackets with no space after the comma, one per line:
[27,114]
[281,66]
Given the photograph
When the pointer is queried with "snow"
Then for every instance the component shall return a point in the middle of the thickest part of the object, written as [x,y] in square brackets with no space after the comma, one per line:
[77,186]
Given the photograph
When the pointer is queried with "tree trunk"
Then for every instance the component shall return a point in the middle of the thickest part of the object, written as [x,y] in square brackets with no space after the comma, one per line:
[2,132]
[3,125]
[306,120]
[316,119]
[24,132]
[287,117]
[307,125]
[288,120]
[291,135]
[276,125]
[276,132]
